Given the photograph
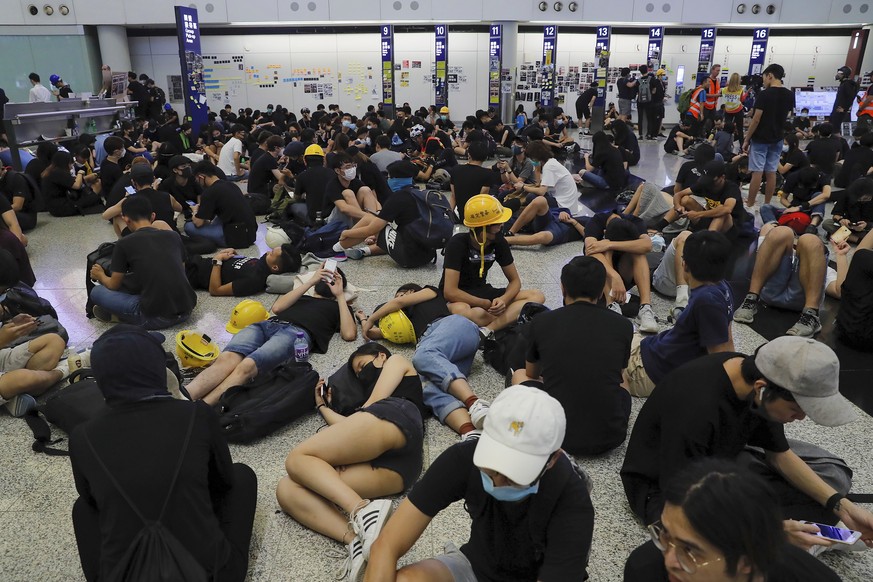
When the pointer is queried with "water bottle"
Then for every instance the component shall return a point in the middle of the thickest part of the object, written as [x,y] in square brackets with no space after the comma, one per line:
[658,243]
[319,219]
[301,348]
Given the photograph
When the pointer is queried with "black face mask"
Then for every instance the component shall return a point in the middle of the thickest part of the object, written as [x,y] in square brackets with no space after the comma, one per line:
[369,375]
[187,173]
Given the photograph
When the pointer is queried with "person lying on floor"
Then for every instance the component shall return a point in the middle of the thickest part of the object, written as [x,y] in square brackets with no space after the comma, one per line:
[375,452]
[228,273]
[260,347]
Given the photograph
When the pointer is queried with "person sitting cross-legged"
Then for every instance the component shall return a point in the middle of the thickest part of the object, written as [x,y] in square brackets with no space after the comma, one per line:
[621,243]
[809,191]
[346,193]
[789,275]
[532,514]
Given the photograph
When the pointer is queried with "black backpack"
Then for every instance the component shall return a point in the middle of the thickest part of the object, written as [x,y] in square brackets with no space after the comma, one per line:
[433,228]
[322,239]
[271,401]
[507,348]
[155,554]
[102,256]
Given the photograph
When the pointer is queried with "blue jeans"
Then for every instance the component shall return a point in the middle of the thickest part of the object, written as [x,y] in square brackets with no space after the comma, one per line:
[771,213]
[595,179]
[126,307]
[234,178]
[212,230]
[268,343]
[444,354]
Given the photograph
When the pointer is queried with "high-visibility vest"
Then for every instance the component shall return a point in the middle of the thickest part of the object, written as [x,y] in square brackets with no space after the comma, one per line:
[866,109]
[694,107]
[712,96]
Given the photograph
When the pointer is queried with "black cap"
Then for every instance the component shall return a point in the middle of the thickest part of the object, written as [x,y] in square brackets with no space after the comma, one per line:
[402,169]
[142,174]
[177,161]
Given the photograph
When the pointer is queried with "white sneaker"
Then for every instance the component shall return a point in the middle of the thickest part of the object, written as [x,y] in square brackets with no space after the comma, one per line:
[478,412]
[614,306]
[368,520]
[20,405]
[646,320]
[354,566]
[473,435]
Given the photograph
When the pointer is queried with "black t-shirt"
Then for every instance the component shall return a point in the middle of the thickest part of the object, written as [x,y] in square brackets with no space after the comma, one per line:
[689,173]
[468,180]
[143,466]
[139,93]
[798,160]
[855,318]
[225,201]
[461,256]
[110,172]
[625,92]
[157,257]
[584,99]
[247,275]
[161,205]
[630,149]
[35,168]
[5,206]
[857,162]
[14,185]
[775,104]
[801,123]
[545,537]
[533,132]
[319,317]
[400,208]
[565,342]
[423,314]
[714,199]
[693,413]
[646,564]
[333,190]
[55,187]
[182,193]
[409,388]
[312,184]
[262,174]
[822,153]
[596,227]
[611,162]
[799,193]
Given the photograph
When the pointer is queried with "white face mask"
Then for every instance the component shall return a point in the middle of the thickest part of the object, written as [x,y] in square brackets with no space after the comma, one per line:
[350,173]
[784,148]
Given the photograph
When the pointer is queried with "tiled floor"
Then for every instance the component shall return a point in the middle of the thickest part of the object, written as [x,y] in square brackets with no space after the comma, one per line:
[37,492]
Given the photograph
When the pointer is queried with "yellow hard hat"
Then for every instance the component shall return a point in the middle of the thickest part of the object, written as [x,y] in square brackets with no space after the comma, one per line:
[195,349]
[444,109]
[314,150]
[246,313]
[661,72]
[397,328]
[485,209]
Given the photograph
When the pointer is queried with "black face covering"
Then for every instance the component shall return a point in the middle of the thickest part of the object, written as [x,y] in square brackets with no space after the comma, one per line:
[369,375]
[129,365]
[187,173]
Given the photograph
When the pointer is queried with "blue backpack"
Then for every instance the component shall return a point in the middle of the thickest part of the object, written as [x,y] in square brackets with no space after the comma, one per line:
[433,228]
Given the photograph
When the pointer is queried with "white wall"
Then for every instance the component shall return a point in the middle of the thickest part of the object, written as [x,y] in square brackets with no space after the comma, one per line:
[343,54]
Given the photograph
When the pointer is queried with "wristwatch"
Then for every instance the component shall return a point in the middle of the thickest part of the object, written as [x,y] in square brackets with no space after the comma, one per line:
[217,262]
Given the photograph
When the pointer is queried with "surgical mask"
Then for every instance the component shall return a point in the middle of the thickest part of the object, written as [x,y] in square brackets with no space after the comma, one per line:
[187,173]
[269,110]
[804,114]
[399,183]
[559,122]
[507,493]
[785,148]
[347,123]
[534,163]
[444,117]
[350,173]
[369,375]
[516,150]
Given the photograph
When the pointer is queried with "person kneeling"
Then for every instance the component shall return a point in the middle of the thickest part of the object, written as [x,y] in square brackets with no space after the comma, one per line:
[377,451]
[514,479]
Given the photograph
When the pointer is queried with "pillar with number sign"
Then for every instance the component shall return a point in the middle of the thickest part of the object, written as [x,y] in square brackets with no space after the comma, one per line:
[601,70]
[441,58]
[387,50]
[704,56]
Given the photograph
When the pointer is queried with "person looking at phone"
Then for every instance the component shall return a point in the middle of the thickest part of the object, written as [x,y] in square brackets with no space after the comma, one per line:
[854,210]
[29,368]
[375,452]
[745,400]
[223,215]
[180,184]
[164,206]
[788,274]
[532,517]
[265,171]
[230,156]
[722,523]
[260,347]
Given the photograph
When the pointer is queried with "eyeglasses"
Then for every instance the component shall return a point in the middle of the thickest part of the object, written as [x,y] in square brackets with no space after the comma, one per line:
[684,555]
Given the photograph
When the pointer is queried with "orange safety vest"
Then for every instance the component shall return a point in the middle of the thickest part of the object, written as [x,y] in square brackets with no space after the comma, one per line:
[867,109]
[694,107]
[712,97]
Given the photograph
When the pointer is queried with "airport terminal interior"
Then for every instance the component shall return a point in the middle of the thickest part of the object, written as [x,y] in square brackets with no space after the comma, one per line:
[436,85]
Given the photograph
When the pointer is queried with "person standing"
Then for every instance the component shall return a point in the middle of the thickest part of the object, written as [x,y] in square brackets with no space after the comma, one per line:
[733,95]
[61,90]
[38,93]
[845,96]
[626,86]
[710,105]
[763,142]
[645,102]
[584,103]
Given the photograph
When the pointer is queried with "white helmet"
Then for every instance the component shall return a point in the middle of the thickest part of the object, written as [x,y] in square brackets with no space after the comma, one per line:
[276,237]
[416,130]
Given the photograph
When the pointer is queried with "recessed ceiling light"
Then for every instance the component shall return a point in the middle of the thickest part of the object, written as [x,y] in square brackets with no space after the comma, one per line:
[741,8]
[543,6]
[48,10]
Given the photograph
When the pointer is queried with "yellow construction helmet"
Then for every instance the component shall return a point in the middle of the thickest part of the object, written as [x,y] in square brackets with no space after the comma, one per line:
[485,209]
[397,328]
[246,313]
[195,349]
[313,150]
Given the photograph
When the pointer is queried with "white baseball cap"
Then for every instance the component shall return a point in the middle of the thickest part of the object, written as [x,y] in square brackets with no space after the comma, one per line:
[810,370]
[523,428]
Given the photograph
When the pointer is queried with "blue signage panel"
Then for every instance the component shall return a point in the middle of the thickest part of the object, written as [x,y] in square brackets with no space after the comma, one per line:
[495,50]
[704,56]
[656,42]
[441,51]
[188,33]
[550,46]
[601,60]
[759,50]
[388,69]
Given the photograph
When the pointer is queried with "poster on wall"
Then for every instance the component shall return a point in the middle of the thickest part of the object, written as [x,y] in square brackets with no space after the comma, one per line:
[174,88]
[119,85]
[188,33]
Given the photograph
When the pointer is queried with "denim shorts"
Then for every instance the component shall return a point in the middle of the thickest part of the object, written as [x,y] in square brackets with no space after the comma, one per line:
[407,460]
[783,289]
[764,157]
[457,563]
[269,343]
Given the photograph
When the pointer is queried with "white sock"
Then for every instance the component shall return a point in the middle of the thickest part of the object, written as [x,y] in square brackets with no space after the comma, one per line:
[681,295]
[338,247]
[367,252]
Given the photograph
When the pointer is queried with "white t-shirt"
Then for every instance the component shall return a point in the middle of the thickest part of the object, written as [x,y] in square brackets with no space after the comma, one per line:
[39,94]
[225,158]
[562,187]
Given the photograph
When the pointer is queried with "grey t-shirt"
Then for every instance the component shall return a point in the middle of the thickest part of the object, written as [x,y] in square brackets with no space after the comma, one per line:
[384,158]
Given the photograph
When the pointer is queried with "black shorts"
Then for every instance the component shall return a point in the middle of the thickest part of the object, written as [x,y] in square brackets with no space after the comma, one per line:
[486,292]
[404,251]
[584,113]
[407,460]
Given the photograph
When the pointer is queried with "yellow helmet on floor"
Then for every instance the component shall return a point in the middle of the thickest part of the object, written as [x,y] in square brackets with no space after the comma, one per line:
[485,209]
[246,313]
[195,349]
[397,328]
